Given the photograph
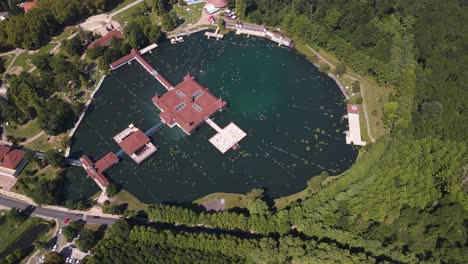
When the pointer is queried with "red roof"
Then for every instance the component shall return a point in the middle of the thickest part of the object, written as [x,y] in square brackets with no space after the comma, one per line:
[218,3]
[29,5]
[96,170]
[107,39]
[122,60]
[104,163]
[134,142]
[10,158]
[353,109]
[188,104]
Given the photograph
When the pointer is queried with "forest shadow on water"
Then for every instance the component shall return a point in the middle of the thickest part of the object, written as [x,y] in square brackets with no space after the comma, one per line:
[291,112]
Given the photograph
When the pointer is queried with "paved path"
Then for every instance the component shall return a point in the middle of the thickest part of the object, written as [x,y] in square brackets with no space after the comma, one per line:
[361,91]
[17,52]
[125,8]
[56,213]
[29,140]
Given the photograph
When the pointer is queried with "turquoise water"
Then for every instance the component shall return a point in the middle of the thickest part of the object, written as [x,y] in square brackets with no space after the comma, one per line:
[291,112]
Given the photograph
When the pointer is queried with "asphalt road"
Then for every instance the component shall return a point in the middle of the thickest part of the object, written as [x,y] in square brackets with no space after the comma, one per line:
[52,213]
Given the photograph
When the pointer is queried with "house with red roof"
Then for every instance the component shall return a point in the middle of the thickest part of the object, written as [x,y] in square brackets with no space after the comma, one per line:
[188,105]
[106,40]
[11,161]
[28,5]
[96,170]
[135,143]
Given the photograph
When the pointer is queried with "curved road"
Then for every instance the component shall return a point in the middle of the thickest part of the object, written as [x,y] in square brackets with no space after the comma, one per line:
[57,214]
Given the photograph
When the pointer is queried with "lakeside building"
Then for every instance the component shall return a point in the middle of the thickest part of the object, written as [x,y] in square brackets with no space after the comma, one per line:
[28,5]
[96,170]
[106,40]
[259,31]
[135,143]
[187,105]
[12,161]
[353,136]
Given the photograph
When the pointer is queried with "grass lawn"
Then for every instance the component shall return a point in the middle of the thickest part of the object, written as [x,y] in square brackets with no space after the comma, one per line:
[124,3]
[193,16]
[127,15]
[126,197]
[27,130]
[65,34]
[282,202]
[24,60]
[232,200]
[46,142]
[10,230]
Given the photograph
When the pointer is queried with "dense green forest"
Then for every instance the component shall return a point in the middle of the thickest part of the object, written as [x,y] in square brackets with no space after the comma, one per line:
[33,29]
[405,199]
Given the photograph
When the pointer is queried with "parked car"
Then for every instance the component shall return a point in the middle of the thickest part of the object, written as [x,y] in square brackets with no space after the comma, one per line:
[55,247]
[66,220]
[67,260]
[60,231]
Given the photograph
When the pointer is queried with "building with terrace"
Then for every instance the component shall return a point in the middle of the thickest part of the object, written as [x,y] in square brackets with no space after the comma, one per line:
[12,161]
[106,40]
[135,143]
[353,136]
[96,170]
[187,105]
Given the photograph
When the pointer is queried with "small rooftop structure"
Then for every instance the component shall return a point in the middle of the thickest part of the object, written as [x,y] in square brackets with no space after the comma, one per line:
[188,105]
[106,40]
[210,8]
[3,16]
[214,205]
[227,137]
[11,161]
[353,136]
[96,170]
[135,143]
[28,5]
[279,38]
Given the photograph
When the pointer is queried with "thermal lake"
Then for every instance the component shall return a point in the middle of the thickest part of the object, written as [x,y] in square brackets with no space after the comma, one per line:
[291,112]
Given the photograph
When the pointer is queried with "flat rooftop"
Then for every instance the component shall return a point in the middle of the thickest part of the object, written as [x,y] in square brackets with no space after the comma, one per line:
[188,104]
[227,137]
[131,139]
[353,136]
[135,143]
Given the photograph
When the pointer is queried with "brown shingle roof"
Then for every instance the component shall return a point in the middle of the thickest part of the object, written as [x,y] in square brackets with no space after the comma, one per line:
[134,142]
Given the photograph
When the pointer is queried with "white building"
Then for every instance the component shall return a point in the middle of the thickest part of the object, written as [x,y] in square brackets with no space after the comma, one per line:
[353,136]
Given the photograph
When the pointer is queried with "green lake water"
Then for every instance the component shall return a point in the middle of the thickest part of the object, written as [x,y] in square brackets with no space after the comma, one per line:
[291,112]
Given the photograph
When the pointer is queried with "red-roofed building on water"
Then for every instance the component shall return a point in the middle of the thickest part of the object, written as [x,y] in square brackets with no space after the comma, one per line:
[188,105]
[11,161]
[106,40]
[28,5]
[135,143]
[97,170]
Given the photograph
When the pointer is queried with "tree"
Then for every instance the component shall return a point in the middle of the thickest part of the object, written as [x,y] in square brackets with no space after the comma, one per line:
[72,230]
[169,21]
[324,67]
[241,8]
[87,240]
[74,46]
[55,158]
[53,258]
[134,35]
[221,23]
[356,86]
[340,68]
[111,190]
[95,52]
[120,228]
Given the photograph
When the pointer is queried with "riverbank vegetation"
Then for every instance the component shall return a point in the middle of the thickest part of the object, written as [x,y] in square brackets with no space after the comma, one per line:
[13,225]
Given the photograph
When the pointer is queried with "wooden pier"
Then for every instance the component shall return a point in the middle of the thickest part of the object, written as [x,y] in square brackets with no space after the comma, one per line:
[214,35]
